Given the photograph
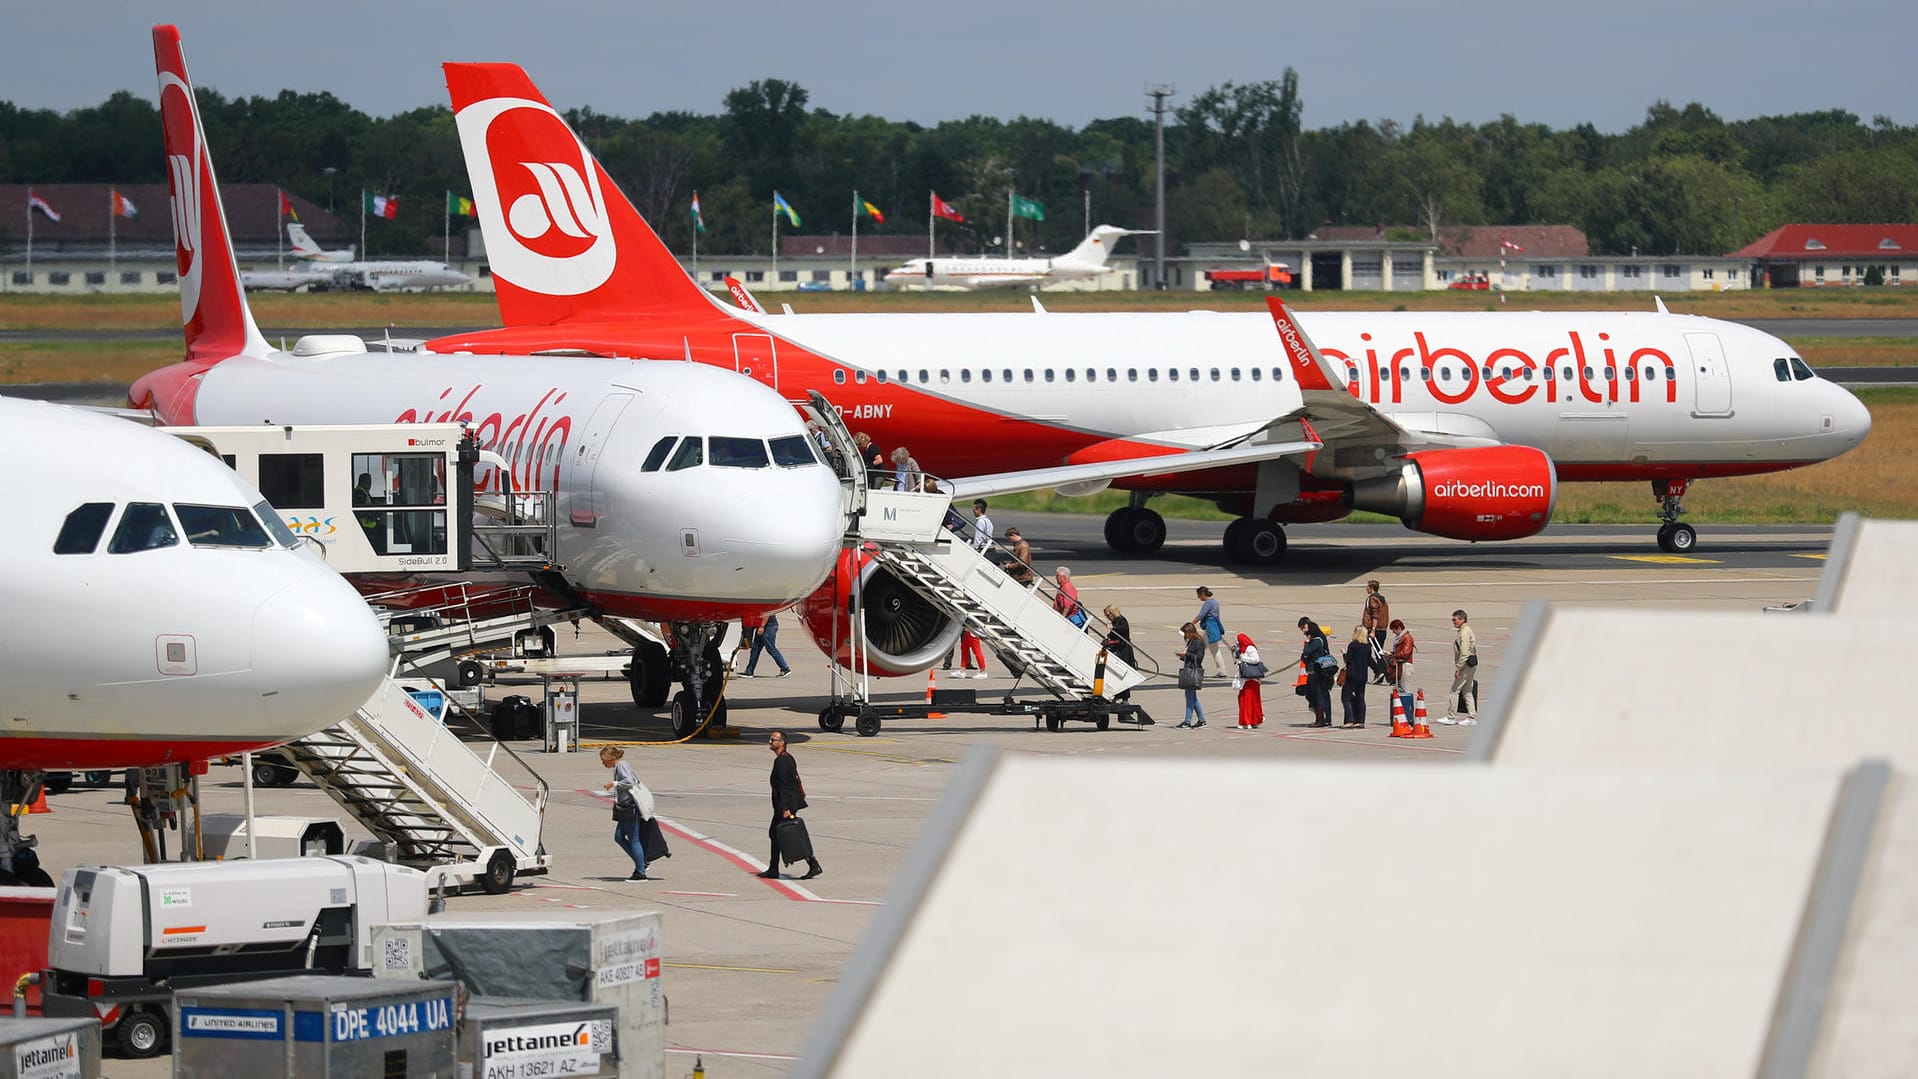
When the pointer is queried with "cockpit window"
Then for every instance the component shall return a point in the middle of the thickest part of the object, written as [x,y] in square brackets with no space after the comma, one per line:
[658,456]
[1800,369]
[691,454]
[271,518]
[145,526]
[83,528]
[738,452]
[793,451]
[220,526]
[1781,369]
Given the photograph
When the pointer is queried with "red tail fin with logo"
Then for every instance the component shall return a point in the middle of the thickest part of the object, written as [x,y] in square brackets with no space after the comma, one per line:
[213,309]
[562,240]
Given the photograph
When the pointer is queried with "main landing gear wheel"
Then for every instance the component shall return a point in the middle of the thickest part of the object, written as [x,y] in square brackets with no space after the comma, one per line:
[1255,541]
[1677,539]
[651,675]
[1135,531]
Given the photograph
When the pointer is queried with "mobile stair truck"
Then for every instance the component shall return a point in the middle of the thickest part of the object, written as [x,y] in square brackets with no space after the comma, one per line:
[125,937]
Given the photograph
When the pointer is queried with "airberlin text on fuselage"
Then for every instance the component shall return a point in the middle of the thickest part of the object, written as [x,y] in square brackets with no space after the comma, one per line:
[1516,376]
[529,433]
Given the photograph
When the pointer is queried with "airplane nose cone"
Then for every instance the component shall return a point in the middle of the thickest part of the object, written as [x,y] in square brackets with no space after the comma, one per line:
[1852,421]
[317,651]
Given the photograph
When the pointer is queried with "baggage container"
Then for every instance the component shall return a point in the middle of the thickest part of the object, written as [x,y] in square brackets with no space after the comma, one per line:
[533,1039]
[598,958]
[316,1027]
[49,1049]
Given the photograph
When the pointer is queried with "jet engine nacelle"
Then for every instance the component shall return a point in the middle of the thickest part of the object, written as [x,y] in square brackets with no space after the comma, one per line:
[904,633]
[1480,493]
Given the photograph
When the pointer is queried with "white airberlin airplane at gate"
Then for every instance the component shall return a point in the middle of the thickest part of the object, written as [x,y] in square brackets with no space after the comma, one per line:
[1462,425]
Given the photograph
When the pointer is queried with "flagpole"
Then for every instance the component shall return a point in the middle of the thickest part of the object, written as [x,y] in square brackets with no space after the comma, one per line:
[775,244]
[1008,224]
[29,237]
[930,218]
[362,222]
[853,272]
[113,254]
[279,233]
[447,216]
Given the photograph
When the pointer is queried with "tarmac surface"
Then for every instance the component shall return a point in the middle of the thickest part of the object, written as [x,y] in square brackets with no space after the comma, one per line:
[750,962]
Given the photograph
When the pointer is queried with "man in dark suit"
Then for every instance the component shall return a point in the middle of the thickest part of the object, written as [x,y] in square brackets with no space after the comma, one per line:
[789,797]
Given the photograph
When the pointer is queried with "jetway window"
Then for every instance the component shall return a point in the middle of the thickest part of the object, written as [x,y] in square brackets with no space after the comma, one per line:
[737,452]
[793,451]
[145,526]
[691,454]
[220,526]
[294,481]
[82,530]
[658,454]
[271,518]
[1799,369]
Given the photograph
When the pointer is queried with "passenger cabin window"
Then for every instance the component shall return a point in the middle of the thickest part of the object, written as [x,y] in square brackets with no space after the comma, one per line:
[1007,373]
[294,481]
[271,518]
[691,454]
[1172,374]
[793,451]
[737,452]
[1278,374]
[220,526]
[658,455]
[1799,368]
[839,376]
[1070,375]
[145,526]
[81,531]
[1255,374]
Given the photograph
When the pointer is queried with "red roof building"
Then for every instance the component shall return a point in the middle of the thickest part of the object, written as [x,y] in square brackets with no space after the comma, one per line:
[1794,255]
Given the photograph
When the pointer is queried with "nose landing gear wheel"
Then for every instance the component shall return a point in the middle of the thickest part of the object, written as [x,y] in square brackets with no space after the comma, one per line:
[686,718]
[1678,539]
[830,720]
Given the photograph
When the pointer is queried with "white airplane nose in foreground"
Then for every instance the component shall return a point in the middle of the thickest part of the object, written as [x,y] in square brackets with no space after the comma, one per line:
[317,647]
[790,542]
[1851,420]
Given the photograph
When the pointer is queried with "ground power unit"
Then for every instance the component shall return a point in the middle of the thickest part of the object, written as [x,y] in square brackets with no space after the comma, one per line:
[123,939]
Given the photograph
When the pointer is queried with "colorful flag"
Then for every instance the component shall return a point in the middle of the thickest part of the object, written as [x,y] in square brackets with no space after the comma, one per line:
[699,223]
[35,202]
[869,210]
[120,205]
[286,207]
[941,209]
[781,206]
[1028,208]
[387,206]
[459,207]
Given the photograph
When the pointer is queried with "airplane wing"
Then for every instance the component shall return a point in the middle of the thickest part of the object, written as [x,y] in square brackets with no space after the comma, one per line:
[1103,471]
[1359,439]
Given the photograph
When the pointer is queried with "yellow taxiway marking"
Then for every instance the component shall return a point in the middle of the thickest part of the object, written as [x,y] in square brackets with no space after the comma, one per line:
[1820,556]
[737,970]
[1666,559]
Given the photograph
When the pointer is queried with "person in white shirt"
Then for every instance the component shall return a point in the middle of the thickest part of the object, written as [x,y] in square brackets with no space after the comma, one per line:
[1464,674]
[981,525]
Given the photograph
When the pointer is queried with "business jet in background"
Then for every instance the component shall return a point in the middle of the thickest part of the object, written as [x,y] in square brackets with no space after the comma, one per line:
[323,270]
[158,611]
[1086,261]
[1464,423]
[684,494]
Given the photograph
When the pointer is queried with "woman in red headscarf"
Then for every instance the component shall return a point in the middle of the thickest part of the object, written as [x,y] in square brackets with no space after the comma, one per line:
[1251,670]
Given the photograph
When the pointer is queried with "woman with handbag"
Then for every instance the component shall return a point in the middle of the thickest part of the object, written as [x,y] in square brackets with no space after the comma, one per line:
[1358,663]
[1118,641]
[1251,670]
[625,808]
[1192,674]
[1320,669]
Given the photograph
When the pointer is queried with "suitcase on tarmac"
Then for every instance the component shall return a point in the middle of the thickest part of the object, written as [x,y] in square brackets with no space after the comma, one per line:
[795,844]
[654,840]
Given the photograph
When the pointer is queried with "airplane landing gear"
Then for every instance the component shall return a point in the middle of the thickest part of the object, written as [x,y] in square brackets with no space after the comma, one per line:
[1673,537]
[1255,541]
[696,654]
[1135,530]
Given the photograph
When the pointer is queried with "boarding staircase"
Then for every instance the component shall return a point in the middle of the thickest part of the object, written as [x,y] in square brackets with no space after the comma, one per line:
[463,813]
[905,532]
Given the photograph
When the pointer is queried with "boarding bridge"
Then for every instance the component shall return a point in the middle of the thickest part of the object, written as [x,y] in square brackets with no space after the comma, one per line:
[462,813]
[905,532]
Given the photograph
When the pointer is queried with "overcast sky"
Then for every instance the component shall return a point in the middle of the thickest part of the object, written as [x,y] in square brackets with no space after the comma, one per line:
[1602,62]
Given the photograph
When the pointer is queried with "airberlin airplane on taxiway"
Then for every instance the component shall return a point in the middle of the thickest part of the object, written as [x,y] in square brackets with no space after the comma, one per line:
[684,494]
[1461,425]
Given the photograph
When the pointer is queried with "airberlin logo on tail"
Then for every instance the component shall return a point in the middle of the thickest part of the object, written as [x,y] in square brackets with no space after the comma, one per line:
[181,122]
[538,196]
[1461,489]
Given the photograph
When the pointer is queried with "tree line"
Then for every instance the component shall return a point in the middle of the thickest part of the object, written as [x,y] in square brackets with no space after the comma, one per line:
[1240,164]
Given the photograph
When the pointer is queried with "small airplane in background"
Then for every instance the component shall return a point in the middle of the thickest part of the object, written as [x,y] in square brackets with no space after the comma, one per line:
[337,269]
[1088,260]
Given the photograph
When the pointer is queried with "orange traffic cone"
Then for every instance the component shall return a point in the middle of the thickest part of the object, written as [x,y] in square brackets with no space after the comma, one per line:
[1400,728]
[1419,729]
[39,803]
[932,681]
[1301,680]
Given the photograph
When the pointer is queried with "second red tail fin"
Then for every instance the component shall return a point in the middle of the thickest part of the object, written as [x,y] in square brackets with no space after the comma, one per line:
[563,242]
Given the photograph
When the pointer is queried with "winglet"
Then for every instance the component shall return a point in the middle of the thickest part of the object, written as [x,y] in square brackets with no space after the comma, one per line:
[1660,301]
[1307,365]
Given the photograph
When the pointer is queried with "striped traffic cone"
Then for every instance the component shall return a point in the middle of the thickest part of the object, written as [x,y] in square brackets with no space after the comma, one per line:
[1419,729]
[38,805]
[1400,728]
[932,681]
